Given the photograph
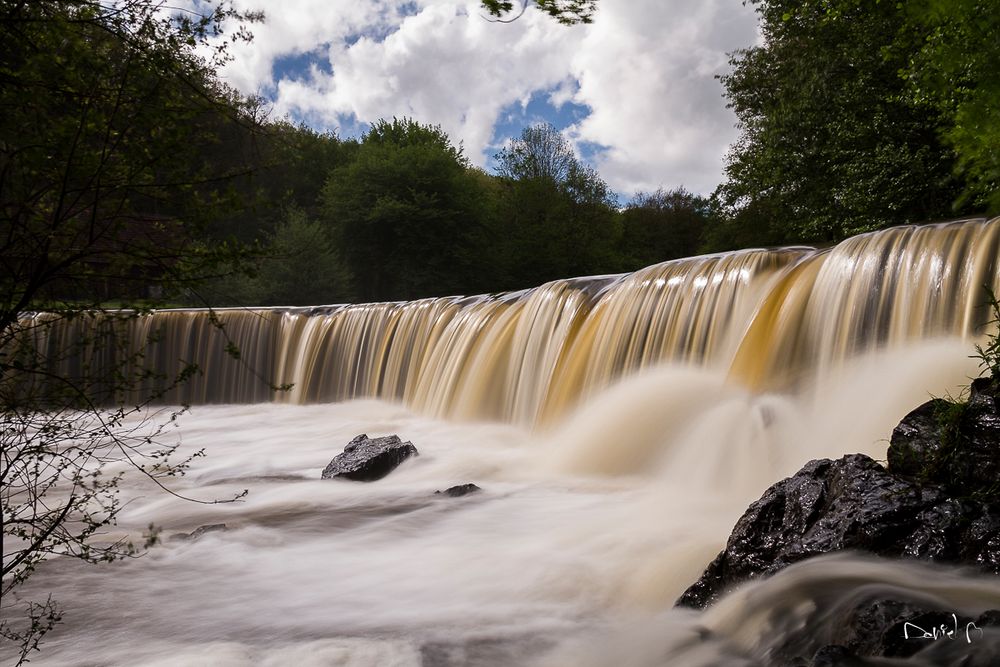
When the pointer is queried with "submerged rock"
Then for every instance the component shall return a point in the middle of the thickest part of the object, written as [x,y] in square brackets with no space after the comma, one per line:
[367,459]
[835,655]
[877,628]
[460,490]
[483,651]
[199,531]
[888,628]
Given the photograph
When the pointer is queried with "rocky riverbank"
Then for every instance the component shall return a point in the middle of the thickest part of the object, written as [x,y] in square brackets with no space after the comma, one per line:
[936,500]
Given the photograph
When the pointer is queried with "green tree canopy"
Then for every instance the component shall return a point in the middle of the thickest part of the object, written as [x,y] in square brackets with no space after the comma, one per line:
[302,267]
[405,213]
[540,152]
[298,265]
[832,143]
[103,178]
[558,216]
[285,167]
[956,68]
[662,225]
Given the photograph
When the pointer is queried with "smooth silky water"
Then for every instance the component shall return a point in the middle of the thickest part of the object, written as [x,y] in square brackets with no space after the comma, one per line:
[618,426]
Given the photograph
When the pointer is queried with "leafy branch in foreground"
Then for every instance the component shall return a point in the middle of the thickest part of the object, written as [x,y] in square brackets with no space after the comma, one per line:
[989,354]
[106,188]
[68,439]
[567,12]
[960,453]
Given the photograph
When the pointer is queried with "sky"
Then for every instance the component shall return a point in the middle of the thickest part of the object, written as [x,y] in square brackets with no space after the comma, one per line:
[635,92]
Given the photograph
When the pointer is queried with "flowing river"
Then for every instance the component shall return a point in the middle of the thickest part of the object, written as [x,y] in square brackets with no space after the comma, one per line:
[618,427]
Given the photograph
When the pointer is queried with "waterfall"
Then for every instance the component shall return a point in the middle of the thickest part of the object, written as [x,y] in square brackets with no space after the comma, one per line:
[766,317]
[699,383]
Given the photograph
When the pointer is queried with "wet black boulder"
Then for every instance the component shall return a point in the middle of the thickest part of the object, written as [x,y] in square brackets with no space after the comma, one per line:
[908,632]
[938,500]
[851,503]
[367,459]
[953,444]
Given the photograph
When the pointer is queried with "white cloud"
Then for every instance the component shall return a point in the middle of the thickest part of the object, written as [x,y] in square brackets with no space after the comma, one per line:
[301,26]
[645,70]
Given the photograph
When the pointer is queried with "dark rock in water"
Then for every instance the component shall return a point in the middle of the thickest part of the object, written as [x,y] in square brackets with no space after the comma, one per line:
[893,628]
[460,490]
[898,629]
[367,459]
[952,444]
[851,503]
[199,531]
[483,651]
[938,500]
[989,619]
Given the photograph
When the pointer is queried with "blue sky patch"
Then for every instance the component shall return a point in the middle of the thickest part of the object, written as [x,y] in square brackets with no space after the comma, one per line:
[296,66]
[514,117]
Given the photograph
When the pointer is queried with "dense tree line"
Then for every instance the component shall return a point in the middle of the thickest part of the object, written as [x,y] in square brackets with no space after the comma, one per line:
[400,213]
[833,142]
[854,115]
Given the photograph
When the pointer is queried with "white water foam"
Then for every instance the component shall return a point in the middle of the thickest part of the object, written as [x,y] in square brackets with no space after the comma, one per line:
[590,529]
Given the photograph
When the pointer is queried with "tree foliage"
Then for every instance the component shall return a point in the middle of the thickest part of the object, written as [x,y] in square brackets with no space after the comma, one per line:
[285,169]
[662,225]
[832,143]
[299,265]
[567,12]
[404,212]
[105,193]
[859,114]
[411,217]
[101,174]
[956,68]
[558,215]
[541,152]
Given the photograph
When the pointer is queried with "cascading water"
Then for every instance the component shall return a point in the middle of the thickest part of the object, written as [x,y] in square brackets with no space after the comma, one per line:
[765,316]
[671,397]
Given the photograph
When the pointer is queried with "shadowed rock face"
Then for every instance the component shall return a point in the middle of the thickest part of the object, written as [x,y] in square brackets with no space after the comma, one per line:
[953,445]
[937,501]
[367,459]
